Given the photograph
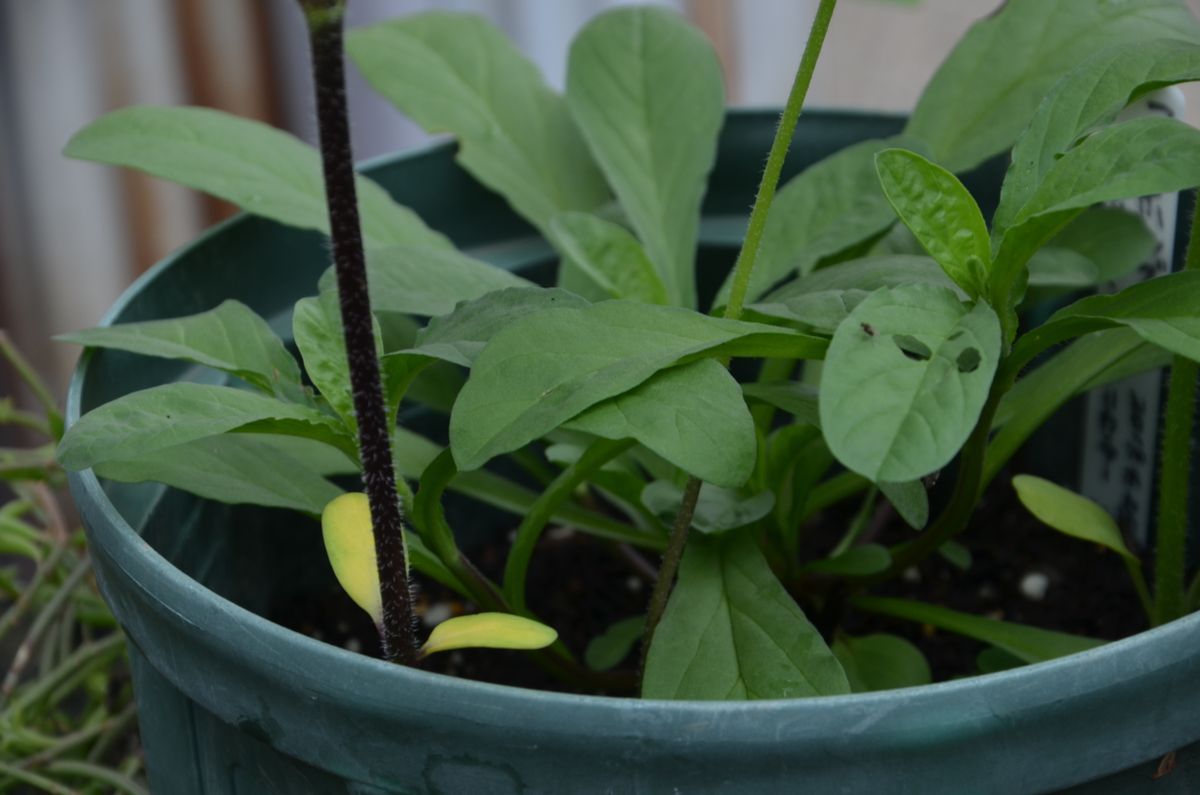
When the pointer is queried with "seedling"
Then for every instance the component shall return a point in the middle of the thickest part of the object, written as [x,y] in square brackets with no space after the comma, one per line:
[611,389]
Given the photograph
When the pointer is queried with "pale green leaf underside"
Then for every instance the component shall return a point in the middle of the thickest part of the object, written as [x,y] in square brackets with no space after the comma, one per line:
[548,367]
[263,170]
[795,397]
[231,468]
[429,282]
[231,338]
[605,651]
[165,416]
[1070,513]
[904,381]
[987,91]
[717,509]
[610,256]
[910,500]
[692,415]
[459,73]
[645,88]
[731,632]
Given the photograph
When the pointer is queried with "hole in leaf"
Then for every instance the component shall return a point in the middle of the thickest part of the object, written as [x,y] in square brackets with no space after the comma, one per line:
[912,347]
[968,360]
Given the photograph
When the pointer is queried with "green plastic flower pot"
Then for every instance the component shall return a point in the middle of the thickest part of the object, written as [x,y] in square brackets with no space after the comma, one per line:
[232,703]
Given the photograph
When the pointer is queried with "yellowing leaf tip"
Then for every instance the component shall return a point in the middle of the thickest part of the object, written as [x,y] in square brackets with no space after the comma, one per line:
[350,545]
[490,631]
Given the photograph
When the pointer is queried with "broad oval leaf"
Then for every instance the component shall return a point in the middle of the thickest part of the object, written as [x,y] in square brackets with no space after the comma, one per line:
[172,414]
[832,205]
[881,662]
[984,94]
[459,336]
[1113,240]
[941,213]
[1052,266]
[263,170]
[459,73]
[488,631]
[645,88]
[904,381]
[910,500]
[231,338]
[717,509]
[548,367]
[1070,513]
[692,415]
[1028,644]
[731,632]
[609,255]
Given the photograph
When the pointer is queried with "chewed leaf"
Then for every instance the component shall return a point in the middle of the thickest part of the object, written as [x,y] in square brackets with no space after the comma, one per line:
[350,544]
[1070,513]
[488,631]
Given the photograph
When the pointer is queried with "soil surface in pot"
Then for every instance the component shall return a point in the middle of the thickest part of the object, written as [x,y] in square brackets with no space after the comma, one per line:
[581,586]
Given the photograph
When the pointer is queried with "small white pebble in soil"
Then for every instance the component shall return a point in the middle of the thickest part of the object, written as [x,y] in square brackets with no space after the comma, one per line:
[911,574]
[354,645]
[633,584]
[437,613]
[1034,586]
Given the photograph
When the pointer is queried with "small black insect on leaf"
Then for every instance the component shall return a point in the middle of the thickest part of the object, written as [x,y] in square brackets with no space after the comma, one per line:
[870,331]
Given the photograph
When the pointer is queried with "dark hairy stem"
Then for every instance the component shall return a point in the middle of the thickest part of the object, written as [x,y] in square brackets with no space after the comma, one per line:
[742,270]
[1175,473]
[398,628]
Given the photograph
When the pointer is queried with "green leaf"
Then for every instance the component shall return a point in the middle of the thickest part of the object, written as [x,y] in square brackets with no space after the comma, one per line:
[1070,513]
[1113,240]
[881,662]
[172,414]
[1029,644]
[993,660]
[794,397]
[428,282]
[610,256]
[986,92]
[645,88]
[860,561]
[904,381]
[717,509]
[1163,310]
[606,651]
[548,367]
[731,632]
[317,330]
[459,73]
[692,415]
[231,338]
[1089,97]
[956,555]
[910,500]
[488,631]
[941,213]
[1061,267]
[263,170]
[232,468]
[1087,363]
[824,298]
[832,205]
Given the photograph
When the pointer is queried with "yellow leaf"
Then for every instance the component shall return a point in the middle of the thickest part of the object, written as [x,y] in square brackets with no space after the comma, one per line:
[488,630]
[350,544]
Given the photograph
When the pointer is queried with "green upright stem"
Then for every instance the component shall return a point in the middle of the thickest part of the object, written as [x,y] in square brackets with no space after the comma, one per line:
[1175,468]
[398,628]
[779,149]
[742,270]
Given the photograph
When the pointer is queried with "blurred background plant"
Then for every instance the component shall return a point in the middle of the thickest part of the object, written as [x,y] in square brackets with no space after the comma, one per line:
[67,719]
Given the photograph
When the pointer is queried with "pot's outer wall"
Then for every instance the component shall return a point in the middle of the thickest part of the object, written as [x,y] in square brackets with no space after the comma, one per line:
[231,703]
